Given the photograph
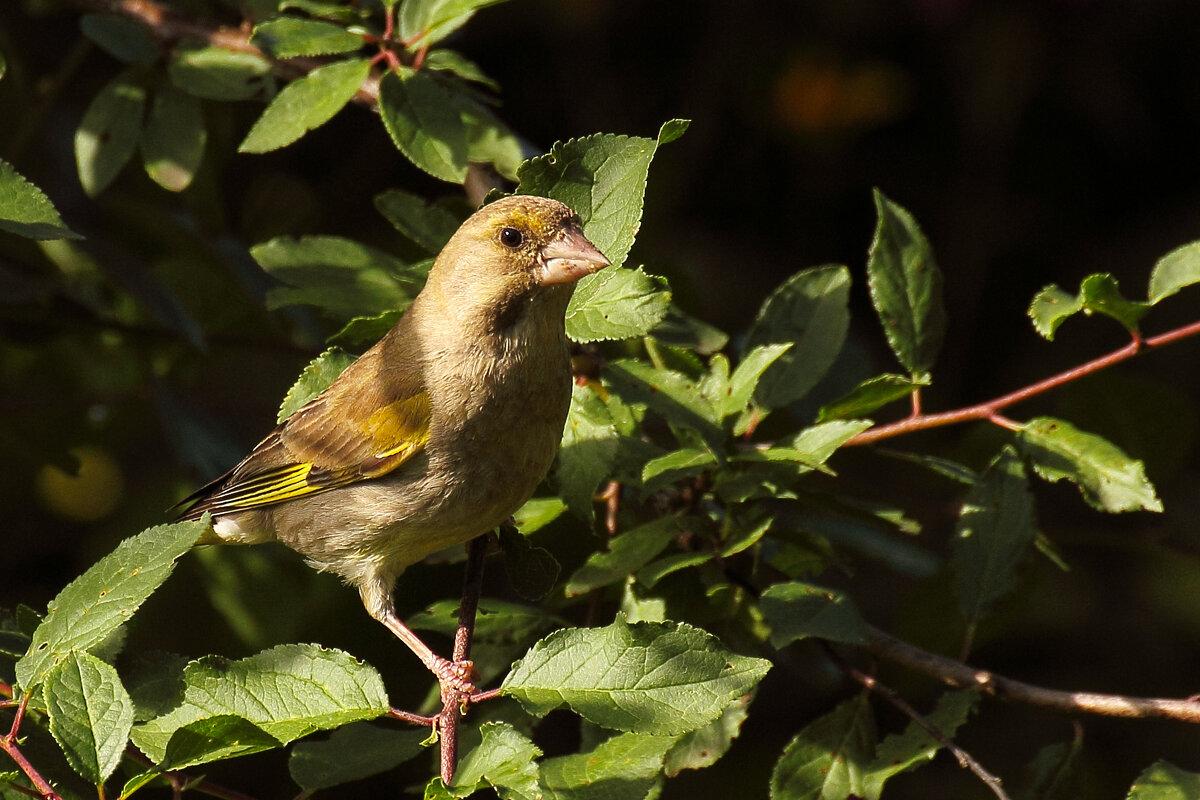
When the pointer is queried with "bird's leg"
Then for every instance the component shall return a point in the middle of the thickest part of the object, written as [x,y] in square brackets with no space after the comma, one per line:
[458,676]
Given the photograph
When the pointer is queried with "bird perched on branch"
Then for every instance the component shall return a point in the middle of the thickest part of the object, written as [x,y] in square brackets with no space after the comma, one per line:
[439,432]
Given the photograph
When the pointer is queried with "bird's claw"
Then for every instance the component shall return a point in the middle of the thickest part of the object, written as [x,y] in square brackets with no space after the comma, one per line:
[456,676]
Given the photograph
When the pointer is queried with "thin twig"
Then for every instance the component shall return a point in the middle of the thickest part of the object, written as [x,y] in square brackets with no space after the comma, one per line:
[454,703]
[8,743]
[181,780]
[965,759]
[960,675]
[990,409]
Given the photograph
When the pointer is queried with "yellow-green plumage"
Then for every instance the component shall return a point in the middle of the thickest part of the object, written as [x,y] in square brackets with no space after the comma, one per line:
[440,431]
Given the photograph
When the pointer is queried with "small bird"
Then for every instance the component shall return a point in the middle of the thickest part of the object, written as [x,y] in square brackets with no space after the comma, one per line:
[439,432]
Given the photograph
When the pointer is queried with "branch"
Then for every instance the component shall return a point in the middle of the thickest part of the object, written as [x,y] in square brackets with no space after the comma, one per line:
[8,744]
[990,410]
[959,675]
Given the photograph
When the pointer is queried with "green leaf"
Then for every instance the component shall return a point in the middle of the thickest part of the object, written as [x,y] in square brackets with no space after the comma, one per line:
[588,450]
[757,362]
[603,179]
[428,224]
[90,714]
[1098,294]
[103,598]
[799,610]
[624,767]
[538,512]
[1050,307]
[423,22]
[682,330]
[901,752]
[1162,780]
[214,73]
[351,753]
[673,395]
[818,442]
[456,63]
[810,311]
[173,139]
[327,10]
[215,738]
[340,276]
[26,211]
[1174,271]
[120,37]
[504,759]
[626,554]
[306,104]
[319,373]
[828,758]
[532,571]
[659,678]
[704,746]
[871,395]
[290,37]
[155,684]
[440,129]
[906,287]
[655,571]
[1108,479]
[674,466]
[1056,773]
[288,691]
[109,131]
[616,303]
[496,621]
[992,535]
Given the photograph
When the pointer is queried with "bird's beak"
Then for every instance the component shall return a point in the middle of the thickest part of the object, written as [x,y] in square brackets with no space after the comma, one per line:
[569,257]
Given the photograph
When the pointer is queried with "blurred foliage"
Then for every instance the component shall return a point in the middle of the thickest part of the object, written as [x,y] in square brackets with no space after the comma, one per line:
[222,199]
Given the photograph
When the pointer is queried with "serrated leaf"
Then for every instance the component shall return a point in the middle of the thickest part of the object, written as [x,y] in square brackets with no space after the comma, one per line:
[799,610]
[624,767]
[828,758]
[454,62]
[655,571]
[900,752]
[333,11]
[1162,780]
[215,738]
[1174,271]
[810,311]
[423,22]
[603,179]
[673,395]
[213,73]
[290,37]
[120,37]
[1108,479]
[351,753]
[173,139]
[319,373]
[616,304]
[588,450]
[90,714]
[427,224]
[366,330]
[626,553]
[26,211]
[704,746]
[155,684]
[305,104]
[341,277]
[109,132]
[288,691]
[103,598]
[658,678]
[1050,307]
[870,395]
[504,759]
[906,287]
[992,535]
[819,442]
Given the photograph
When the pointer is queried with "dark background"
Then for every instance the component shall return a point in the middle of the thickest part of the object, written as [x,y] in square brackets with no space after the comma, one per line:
[1036,142]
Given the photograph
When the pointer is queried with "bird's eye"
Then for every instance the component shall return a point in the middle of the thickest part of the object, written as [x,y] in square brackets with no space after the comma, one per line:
[511,237]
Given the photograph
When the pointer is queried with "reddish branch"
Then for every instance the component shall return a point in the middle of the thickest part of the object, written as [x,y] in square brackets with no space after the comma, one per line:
[990,410]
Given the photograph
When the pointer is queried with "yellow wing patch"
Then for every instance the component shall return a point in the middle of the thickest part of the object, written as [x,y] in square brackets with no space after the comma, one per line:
[400,428]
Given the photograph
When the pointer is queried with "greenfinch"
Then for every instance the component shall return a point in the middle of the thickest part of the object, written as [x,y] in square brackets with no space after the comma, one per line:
[436,434]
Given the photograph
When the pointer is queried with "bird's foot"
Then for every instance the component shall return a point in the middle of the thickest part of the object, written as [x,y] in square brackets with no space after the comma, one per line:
[455,676]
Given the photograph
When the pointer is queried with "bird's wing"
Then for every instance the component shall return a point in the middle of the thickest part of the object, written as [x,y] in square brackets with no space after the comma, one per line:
[317,449]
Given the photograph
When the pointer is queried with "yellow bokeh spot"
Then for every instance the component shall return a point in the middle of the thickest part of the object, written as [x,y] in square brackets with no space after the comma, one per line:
[90,494]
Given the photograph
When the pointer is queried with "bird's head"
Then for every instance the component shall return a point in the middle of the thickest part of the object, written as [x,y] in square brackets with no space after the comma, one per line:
[509,250]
